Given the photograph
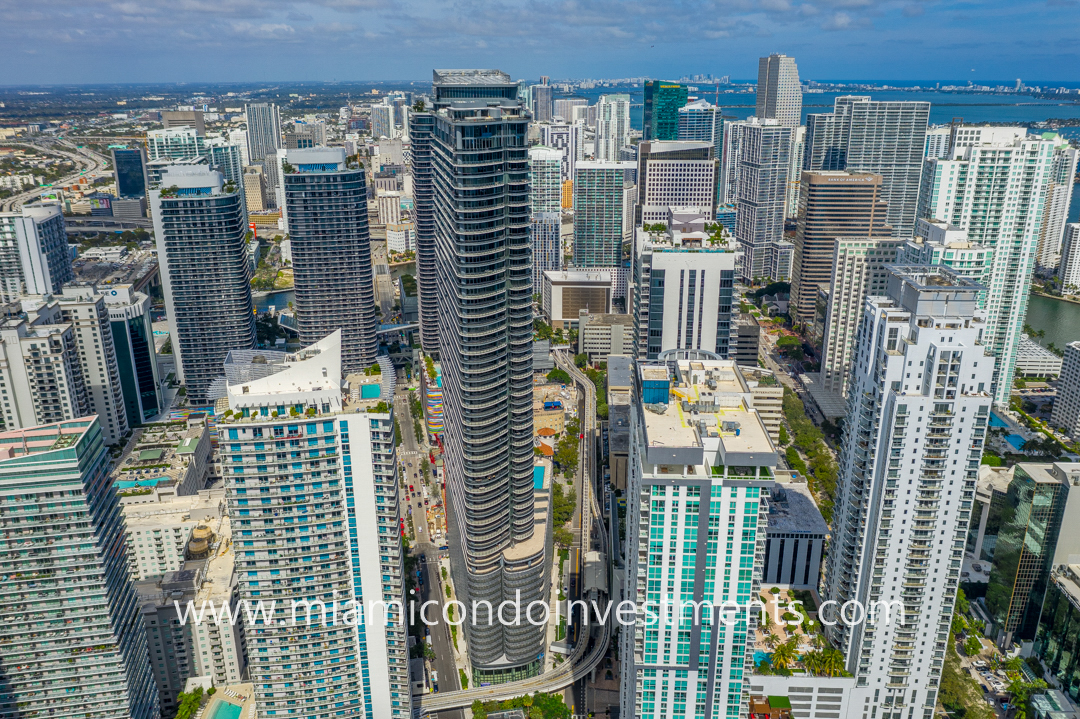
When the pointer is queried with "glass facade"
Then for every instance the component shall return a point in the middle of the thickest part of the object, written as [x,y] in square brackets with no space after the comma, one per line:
[72,640]
[1057,639]
[130,170]
[662,103]
[1030,515]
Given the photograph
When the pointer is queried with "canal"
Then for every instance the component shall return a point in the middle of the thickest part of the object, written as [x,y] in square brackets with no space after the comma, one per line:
[1060,320]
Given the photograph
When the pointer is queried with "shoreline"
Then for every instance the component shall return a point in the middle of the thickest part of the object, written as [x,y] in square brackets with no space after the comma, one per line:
[1055,297]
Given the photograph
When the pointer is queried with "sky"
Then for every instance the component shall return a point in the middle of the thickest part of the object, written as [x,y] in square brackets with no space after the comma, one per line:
[92,41]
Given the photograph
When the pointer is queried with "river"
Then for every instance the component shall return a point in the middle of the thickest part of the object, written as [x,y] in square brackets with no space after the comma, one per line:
[1060,320]
[280,300]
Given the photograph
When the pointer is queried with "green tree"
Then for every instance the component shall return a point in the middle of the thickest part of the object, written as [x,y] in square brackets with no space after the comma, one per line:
[972,646]
[581,361]
[558,375]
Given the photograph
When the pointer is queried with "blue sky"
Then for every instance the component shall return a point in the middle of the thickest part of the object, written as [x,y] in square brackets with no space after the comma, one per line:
[260,40]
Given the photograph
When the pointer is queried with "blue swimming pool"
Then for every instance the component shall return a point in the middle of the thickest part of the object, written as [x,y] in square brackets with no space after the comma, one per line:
[996,421]
[129,483]
[538,477]
[226,710]
[370,391]
[760,656]
[1016,440]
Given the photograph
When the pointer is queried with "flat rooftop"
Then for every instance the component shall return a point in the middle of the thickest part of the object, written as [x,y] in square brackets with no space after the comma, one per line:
[471,77]
[792,509]
[47,437]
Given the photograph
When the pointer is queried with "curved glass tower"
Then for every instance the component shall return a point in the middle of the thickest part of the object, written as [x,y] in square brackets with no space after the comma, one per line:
[480,173]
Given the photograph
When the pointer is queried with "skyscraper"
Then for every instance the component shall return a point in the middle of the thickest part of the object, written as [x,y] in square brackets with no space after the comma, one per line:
[541,102]
[612,126]
[660,118]
[779,95]
[761,200]
[421,125]
[34,255]
[675,173]
[83,309]
[136,358]
[1069,267]
[708,486]
[994,187]
[920,372]
[831,204]
[339,494]
[564,107]
[545,179]
[263,130]
[56,494]
[702,122]
[325,211]
[382,120]
[1066,413]
[545,212]
[129,171]
[602,218]
[568,138]
[1058,201]
[682,293]
[885,138]
[225,157]
[859,270]
[175,143]
[498,542]
[200,227]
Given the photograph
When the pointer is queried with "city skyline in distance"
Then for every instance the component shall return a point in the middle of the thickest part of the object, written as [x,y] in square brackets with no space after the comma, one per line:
[156,41]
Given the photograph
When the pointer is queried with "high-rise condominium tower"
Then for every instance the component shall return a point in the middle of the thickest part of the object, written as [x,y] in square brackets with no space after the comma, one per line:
[200,226]
[675,173]
[660,119]
[761,198]
[567,138]
[860,269]
[902,507]
[885,138]
[479,150]
[56,495]
[1058,201]
[994,187]
[704,479]
[263,130]
[421,125]
[1069,267]
[831,205]
[603,212]
[541,102]
[779,96]
[34,256]
[325,211]
[612,126]
[545,212]
[318,525]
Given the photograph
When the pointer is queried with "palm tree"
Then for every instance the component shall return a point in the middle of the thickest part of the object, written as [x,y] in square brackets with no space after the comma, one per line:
[771,640]
[818,641]
[813,663]
[832,662]
[784,655]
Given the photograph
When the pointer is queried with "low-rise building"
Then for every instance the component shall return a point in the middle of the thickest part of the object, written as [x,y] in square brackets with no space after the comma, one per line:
[1034,360]
[600,335]
[745,341]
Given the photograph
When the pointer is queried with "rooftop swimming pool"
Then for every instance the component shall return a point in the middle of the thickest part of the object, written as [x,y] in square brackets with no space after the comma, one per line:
[538,477]
[226,710]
